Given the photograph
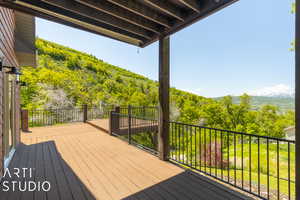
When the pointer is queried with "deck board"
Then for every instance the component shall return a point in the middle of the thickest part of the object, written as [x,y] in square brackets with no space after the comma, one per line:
[82,162]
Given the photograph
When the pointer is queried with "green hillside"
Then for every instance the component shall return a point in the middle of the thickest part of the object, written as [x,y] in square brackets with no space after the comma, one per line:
[69,78]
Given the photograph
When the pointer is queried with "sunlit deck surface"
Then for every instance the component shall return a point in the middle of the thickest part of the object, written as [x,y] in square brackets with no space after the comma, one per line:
[82,162]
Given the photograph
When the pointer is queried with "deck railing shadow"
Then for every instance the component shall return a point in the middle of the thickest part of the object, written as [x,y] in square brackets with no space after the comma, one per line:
[188,185]
[42,162]
[99,125]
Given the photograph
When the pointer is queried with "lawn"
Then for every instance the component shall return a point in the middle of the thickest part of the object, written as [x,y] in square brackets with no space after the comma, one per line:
[245,161]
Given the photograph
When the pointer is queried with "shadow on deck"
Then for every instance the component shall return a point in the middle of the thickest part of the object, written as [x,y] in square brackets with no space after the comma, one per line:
[81,162]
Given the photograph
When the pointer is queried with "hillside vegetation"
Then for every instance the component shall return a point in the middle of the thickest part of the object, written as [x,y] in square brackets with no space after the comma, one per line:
[69,78]
[284,103]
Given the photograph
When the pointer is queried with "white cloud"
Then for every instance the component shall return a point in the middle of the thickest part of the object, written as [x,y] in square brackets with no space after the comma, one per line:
[275,90]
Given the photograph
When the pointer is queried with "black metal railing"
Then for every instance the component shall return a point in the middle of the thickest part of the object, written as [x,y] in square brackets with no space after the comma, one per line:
[99,112]
[54,116]
[263,166]
[138,130]
[140,111]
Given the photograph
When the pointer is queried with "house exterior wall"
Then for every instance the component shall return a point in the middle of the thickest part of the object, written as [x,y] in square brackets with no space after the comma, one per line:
[7,31]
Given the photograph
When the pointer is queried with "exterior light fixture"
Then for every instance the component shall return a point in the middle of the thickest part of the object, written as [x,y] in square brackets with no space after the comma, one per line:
[11,69]
[21,83]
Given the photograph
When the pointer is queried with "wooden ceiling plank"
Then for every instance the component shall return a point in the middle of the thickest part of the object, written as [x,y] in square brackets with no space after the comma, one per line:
[99,16]
[95,27]
[192,4]
[167,8]
[206,10]
[119,12]
[144,11]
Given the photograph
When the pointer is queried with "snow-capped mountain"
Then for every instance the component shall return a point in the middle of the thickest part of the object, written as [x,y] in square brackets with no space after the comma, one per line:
[279,90]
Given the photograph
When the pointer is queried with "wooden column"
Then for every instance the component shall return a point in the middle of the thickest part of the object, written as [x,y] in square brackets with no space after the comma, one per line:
[24,121]
[164,86]
[297,98]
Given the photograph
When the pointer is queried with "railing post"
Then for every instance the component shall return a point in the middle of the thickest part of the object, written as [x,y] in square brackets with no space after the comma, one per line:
[117,118]
[111,125]
[85,113]
[144,112]
[24,121]
[129,124]
[114,120]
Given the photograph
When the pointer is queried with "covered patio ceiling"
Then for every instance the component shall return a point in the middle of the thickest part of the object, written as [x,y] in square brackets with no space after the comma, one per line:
[137,22]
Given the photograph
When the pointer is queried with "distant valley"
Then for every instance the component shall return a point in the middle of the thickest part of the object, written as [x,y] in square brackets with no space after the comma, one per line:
[283,102]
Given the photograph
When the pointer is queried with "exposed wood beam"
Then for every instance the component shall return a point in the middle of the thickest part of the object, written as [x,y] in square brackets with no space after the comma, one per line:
[123,14]
[192,4]
[167,8]
[86,11]
[144,11]
[208,9]
[26,6]
[155,10]
[164,98]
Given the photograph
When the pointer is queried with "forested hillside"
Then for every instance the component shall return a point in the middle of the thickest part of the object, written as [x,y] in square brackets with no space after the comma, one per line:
[69,78]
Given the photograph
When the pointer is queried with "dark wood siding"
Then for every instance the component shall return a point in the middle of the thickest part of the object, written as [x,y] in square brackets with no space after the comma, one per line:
[7,27]
[7,22]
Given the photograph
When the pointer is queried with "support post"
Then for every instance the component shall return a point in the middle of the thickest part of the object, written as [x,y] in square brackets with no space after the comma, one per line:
[129,124]
[164,86]
[114,120]
[297,98]
[85,113]
[117,118]
[24,121]
[111,122]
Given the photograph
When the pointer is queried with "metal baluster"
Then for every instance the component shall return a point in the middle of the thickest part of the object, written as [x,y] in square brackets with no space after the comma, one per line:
[278,178]
[242,160]
[222,155]
[268,170]
[258,163]
[234,159]
[250,181]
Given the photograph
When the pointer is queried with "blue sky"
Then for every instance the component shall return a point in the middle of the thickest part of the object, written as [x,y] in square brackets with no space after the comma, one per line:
[243,48]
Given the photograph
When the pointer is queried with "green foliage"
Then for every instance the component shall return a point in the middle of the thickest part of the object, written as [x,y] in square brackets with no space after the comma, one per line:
[66,77]
[284,103]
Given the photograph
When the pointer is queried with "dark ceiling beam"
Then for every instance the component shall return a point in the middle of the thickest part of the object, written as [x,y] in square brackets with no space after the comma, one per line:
[206,10]
[192,4]
[91,13]
[55,14]
[63,22]
[144,11]
[123,14]
[167,8]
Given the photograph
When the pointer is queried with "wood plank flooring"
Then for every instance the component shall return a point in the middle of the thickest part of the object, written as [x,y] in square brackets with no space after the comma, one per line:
[83,163]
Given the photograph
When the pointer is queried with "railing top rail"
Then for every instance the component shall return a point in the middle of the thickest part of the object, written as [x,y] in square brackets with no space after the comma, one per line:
[125,107]
[134,116]
[50,109]
[235,132]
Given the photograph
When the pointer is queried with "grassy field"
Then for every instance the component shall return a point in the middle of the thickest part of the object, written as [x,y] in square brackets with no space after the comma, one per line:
[247,161]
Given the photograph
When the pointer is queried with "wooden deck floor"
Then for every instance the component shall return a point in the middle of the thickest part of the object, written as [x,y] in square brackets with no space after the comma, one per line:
[81,162]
